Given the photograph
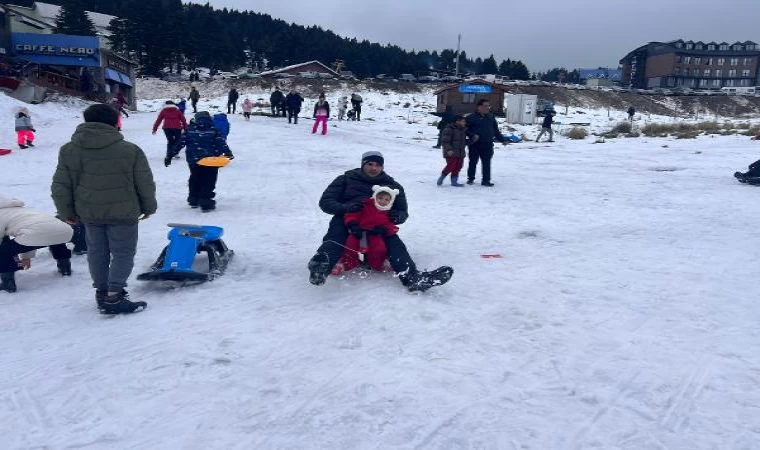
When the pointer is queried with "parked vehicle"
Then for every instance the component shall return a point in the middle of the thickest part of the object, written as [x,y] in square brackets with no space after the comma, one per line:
[407,77]
[452,79]
[735,90]
[428,79]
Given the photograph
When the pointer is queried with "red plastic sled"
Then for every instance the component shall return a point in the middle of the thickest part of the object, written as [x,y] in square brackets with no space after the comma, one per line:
[5,151]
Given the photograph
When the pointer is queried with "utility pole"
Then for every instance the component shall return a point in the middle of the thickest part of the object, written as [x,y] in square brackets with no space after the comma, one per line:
[459,43]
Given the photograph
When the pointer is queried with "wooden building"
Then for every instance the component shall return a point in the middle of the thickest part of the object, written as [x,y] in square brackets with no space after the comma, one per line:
[464,96]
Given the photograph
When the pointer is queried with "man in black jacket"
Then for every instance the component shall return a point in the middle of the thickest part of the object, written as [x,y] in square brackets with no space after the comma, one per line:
[293,103]
[275,100]
[546,127]
[232,99]
[482,128]
[347,194]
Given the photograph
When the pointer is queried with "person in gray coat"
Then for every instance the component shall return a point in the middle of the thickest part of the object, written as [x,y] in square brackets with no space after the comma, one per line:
[24,129]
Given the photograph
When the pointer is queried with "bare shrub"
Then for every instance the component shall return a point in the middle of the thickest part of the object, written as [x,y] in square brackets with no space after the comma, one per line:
[622,127]
[577,133]
[689,134]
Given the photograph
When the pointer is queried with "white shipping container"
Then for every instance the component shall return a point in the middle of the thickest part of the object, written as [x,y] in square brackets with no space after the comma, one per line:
[521,108]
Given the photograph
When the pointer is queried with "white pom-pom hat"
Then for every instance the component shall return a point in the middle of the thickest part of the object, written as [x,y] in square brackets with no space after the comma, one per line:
[378,189]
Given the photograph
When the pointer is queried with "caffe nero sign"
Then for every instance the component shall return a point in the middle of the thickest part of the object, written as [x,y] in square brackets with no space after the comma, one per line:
[54,50]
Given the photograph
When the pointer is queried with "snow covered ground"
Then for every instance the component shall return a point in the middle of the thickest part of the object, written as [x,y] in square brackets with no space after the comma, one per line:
[621,314]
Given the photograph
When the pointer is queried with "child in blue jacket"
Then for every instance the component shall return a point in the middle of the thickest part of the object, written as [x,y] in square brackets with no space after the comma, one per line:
[222,124]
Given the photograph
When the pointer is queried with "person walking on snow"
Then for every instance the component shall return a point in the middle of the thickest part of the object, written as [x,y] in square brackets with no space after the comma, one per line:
[105,183]
[23,230]
[482,129]
[202,140]
[275,102]
[321,114]
[173,123]
[293,103]
[356,104]
[546,127]
[631,113]
[232,99]
[367,231]
[454,141]
[347,194]
[194,97]
[342,107]
[24,129]
[247,108]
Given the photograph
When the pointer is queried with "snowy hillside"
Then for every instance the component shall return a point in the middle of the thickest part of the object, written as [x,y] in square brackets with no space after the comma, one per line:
[618,314]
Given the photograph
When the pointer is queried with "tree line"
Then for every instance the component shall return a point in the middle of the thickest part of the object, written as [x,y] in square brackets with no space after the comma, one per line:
[161,34]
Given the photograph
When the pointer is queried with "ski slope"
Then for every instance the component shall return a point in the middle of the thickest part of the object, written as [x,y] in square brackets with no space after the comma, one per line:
[621,314]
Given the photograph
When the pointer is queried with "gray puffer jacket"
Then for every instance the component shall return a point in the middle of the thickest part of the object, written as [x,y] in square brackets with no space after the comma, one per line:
[23,122]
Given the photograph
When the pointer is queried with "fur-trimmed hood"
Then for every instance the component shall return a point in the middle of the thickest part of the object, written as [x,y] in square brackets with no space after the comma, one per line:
[390,191]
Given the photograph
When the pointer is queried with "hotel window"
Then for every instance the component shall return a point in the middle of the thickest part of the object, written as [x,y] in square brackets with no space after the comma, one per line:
[732,73]
[679,45]
[737,47]
[729,83]
[689,46]
[718,73]
[707,72]
[695,72]
[724,47]
[747,61]
[703,83]
[711,47]
[697,60]
[743,82]
[708,61]
[734,62]
[721,61]
[716,83]
[692,82]
[750,46]
[678,59]
[687,59]
[698,47]
[677,71]
[745,72]
[468,98]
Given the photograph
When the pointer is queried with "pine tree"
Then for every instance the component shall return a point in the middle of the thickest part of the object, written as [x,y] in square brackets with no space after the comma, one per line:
[489,66]
[73,19]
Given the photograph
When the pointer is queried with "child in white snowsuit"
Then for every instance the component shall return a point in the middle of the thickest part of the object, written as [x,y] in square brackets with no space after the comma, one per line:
[24,129]
[342,107]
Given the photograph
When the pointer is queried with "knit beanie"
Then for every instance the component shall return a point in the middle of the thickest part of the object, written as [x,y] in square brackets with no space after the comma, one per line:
[384,189]
[102,114]
[373,156]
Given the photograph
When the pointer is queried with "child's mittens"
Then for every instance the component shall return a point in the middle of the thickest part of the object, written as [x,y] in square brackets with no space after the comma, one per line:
[381,230]
[354,229]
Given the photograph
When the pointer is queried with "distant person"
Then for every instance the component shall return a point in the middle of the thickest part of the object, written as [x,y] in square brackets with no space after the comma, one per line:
[173,124]
[194,97]
[232,98]
[454,141]
[122,100]
[182,105]
[293,102]
[24,129]
[321,114]
[105,183]
[222,124]
[447,117]
[546,126]
[631,113]
[482,129]
[247,108]
[342,107]
[356,104]
[275,101]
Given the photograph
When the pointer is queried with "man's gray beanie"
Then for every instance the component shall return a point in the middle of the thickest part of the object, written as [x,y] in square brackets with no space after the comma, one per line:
[373,156]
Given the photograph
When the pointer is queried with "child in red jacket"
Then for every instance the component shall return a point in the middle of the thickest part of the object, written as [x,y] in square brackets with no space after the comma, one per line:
[367,230]
[174,122]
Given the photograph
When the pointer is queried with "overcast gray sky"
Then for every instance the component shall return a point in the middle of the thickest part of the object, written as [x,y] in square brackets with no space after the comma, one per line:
[541,33]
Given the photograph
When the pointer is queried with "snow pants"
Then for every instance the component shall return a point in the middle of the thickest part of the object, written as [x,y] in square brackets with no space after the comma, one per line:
[341,113]
[24,136]
[483,153]
[173,136]
[546,130]
[317,121]
[337,234]
[358,110]
[9,249]
[110,254]
[194,104]
[231,106]
[293,114]
[201,186]
[453,165]
[375,254]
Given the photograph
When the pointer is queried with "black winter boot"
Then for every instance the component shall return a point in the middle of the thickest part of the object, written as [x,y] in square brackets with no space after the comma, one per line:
[7,282]
[100,297]
[64,267]
[319,268]
[422,281]
[120,304]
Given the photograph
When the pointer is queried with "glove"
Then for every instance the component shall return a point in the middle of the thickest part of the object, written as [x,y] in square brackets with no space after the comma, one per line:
[168,161]
[354,229]
[33,130]
[395,217]
[354,207]
[381,230]
[229,155]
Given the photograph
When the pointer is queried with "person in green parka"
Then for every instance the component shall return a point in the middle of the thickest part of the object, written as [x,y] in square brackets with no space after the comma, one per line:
[105,183]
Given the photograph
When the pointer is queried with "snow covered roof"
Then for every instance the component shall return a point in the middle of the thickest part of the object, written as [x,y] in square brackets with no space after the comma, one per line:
[48,13]
[296,66]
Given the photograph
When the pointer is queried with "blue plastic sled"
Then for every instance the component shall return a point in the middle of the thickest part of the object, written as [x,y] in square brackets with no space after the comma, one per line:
[177,259]
[514,138]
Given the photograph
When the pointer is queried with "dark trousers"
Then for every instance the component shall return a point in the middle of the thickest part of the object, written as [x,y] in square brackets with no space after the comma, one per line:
[201,186]
[337,233]
[194,103]
[231,106]
[275,110]
[9,249]
[483,153]
[293,115]
[358,110]
[111,254]
[754,170]
[173,136]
